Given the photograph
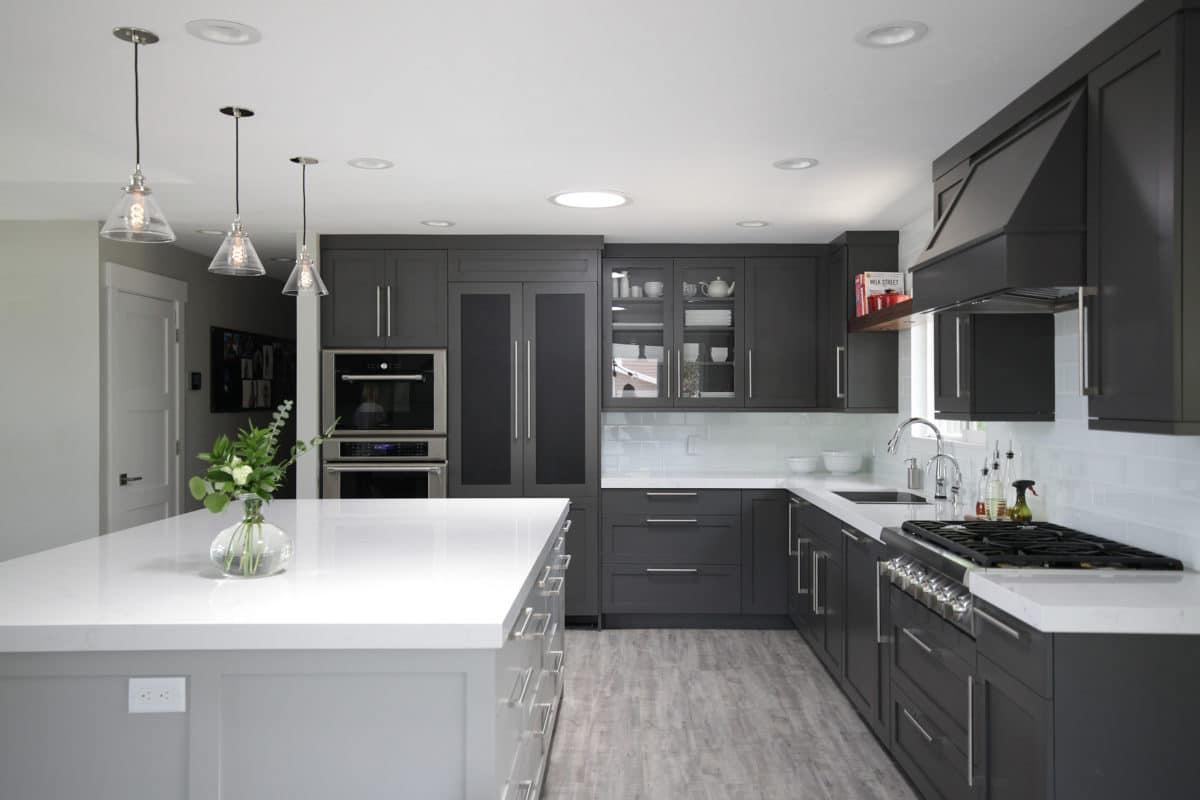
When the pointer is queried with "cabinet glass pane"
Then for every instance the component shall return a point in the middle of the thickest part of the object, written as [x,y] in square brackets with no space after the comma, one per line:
[486,391]
[639,331]
[560,424]
[708,300]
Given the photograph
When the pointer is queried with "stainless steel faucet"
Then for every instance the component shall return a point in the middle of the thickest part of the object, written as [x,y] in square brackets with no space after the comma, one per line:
[956,482]
[939,490]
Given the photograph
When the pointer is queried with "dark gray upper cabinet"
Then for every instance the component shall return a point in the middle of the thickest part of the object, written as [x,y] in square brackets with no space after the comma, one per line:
[781,332]
[523,412]
[524,265]
[382,298]
[993,366]
[639,334]
[352,314]
[1142,343]
[855,371]
[486,393]
[765,552]
[709,356]
[583,545]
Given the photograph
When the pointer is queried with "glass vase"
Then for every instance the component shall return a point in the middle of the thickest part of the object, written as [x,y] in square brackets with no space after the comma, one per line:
[253,547]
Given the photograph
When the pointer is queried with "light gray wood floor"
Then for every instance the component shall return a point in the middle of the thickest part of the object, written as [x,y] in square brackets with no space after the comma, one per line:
[709,714]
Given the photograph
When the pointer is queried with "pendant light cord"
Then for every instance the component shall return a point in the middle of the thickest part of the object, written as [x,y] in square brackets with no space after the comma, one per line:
[237,167]
[304,205]
[137,111]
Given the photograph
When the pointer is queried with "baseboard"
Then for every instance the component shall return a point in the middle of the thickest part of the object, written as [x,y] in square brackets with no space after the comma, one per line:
[727,621]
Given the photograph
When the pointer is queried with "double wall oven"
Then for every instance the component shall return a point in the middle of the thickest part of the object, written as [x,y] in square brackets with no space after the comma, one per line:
[390,408]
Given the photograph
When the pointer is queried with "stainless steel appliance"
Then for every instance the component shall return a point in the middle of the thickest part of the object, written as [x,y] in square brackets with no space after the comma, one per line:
[384,392]
[384,468]
[931,559]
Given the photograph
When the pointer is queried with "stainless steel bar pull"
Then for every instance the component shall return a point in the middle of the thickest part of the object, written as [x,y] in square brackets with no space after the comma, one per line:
[413,378]
[958,356]
[970,730]
[389,307]
[516,390]
[1085,376]
[839,351]
[528,389]
[750,371]
[1008,629]
[668,375]
[377,293]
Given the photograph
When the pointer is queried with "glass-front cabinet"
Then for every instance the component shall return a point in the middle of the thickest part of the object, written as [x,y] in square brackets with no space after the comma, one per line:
[640,323]
[673,332]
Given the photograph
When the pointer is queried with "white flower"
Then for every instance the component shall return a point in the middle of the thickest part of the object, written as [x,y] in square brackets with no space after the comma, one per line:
[241,474]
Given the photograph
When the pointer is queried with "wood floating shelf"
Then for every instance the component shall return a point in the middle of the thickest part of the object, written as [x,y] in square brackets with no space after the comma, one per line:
[899,317]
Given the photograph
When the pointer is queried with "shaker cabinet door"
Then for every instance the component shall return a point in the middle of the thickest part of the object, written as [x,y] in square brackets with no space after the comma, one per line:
[487,395]
[781,333]
[416,299]
[561,417]
[353,314]
[765,552]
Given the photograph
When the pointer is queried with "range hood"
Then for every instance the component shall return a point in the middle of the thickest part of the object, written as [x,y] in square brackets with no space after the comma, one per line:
[1016,230]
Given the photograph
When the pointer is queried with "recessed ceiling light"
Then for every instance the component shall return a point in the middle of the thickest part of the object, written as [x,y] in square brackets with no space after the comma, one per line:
[801,162]
[370,163]
[438,223]
[589,199]
[210,232]
[223,31]
[892,34]
[753,223]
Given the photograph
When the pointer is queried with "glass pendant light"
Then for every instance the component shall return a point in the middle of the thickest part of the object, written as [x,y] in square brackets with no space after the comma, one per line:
[137,216]
[236,256]
[304,280]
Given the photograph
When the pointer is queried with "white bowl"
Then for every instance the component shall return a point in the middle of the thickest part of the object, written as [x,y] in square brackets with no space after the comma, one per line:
[842,462]
[804,464]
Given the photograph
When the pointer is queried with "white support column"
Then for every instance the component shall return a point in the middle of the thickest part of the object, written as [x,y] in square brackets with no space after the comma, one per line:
[308,378]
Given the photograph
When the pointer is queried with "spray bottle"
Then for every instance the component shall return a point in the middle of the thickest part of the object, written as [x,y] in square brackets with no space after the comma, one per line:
[1020,511]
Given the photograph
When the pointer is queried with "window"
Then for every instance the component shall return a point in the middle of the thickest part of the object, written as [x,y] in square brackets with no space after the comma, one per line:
[922,359]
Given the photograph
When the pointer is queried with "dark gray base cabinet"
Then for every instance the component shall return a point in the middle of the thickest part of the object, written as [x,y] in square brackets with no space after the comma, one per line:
[583,545]
[695,556]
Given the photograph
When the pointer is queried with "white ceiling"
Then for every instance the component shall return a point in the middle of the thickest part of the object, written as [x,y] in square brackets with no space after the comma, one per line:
[487,107]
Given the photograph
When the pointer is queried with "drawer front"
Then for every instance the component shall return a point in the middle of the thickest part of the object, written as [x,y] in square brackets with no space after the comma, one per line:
[923,656]
[682,502]
[1017,648]
[681,589]
[671,539]
[926,752]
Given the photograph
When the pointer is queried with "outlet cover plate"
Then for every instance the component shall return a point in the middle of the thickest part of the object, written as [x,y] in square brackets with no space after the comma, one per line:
[157,695]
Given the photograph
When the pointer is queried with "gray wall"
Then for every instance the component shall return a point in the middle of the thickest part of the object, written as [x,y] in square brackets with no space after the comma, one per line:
[249,304]
[49,400]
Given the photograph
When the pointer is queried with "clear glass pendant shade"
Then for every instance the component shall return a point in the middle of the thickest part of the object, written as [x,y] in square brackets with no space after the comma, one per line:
[137,217]
[237,256]
[305,280]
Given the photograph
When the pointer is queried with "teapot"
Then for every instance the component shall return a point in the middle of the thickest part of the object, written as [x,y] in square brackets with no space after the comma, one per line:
[717,288]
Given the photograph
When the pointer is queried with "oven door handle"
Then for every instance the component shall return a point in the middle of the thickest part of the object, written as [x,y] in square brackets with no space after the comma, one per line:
[385,467]
[409,378]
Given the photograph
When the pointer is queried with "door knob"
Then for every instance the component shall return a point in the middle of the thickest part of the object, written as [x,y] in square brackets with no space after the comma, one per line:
[127,479]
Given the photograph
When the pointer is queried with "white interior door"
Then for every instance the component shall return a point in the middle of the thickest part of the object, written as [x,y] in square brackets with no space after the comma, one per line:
[143,380]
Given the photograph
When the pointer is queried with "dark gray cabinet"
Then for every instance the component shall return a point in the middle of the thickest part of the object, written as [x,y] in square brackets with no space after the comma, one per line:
[583,545]
[674,347]
[523,410]
[781,332]
[765,549]
[993,366]
[1012,737]
[524,265]
[865,656]
[855,371]
[826,559]
[1142,341]
[384,298]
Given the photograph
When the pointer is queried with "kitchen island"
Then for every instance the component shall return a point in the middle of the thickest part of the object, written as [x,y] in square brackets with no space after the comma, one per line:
[413,648]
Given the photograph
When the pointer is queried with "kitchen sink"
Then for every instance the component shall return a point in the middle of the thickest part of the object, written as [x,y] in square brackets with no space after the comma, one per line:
[882,498]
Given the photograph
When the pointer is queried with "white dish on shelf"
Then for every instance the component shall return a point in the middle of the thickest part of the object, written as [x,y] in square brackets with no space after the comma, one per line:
[804,464]
[654,352]
[842,462]
[718,395]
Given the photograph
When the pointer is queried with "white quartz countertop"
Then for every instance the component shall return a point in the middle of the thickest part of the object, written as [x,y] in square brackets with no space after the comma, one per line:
[367,574]
[1053,601]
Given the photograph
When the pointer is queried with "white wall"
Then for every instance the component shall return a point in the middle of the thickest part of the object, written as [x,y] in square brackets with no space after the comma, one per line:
[49,403]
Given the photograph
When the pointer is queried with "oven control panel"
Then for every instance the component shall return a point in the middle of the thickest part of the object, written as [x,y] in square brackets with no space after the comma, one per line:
[944,596]
[383,449]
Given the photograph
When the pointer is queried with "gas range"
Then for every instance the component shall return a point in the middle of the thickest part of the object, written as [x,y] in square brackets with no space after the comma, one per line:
[934,557]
